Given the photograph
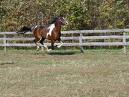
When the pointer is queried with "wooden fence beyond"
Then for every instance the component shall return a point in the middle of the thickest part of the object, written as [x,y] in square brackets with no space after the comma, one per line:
[80,38]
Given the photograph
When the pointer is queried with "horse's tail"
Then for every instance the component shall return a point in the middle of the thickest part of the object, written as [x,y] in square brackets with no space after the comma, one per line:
[23,30]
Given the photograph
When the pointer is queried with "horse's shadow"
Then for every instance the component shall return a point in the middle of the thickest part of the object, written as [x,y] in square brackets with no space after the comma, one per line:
[60,52]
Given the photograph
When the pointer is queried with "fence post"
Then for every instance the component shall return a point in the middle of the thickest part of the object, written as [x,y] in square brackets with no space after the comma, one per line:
[124,42]
[4,42]
[80,43]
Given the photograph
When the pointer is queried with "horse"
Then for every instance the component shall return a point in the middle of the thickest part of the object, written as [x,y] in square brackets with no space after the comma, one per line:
[51,32]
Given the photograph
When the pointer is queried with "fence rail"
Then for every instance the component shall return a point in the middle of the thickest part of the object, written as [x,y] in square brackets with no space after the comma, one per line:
[81,38]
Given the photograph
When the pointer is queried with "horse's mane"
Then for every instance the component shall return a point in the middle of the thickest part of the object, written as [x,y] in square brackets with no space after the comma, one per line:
[53,20]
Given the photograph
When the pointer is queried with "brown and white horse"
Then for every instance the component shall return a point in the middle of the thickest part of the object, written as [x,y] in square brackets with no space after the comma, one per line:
[50,32]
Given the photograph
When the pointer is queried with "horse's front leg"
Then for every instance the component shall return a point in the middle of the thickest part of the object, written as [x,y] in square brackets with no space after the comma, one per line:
[60,44]
[52,45]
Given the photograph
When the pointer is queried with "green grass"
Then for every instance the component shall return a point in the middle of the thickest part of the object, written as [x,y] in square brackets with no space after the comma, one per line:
[64,73]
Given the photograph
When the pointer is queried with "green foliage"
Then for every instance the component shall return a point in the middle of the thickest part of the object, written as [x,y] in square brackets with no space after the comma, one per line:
[81,14]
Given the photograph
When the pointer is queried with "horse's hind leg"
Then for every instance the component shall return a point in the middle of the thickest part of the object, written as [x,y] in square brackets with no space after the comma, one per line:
[43,45]
[37,45]
[37,42]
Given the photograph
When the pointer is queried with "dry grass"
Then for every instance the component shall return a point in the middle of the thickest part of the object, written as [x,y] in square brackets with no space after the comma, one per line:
[64,74]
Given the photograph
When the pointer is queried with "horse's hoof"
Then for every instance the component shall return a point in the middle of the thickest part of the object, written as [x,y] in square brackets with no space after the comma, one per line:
[49,50]
[58,46]
[42,49]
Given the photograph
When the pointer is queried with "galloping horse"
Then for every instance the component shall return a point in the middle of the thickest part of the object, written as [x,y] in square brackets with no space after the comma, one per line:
[50,32]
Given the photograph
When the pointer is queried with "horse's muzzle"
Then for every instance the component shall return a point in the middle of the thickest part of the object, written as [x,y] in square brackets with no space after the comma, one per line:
[66,23]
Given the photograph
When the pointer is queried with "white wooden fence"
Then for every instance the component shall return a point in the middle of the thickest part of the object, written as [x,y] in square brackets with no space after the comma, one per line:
[81,38]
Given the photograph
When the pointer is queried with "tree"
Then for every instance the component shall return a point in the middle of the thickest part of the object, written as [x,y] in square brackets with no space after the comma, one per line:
[81,14]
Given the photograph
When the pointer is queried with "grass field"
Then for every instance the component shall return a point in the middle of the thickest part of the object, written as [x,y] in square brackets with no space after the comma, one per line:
[96,73]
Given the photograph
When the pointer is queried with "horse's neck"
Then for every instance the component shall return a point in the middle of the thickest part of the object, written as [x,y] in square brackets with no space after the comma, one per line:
[58,28]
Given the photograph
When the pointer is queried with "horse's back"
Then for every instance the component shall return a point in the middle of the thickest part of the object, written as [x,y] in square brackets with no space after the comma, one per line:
[40,31]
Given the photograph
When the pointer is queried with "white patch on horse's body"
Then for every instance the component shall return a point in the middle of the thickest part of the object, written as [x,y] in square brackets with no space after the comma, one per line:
[34,27]
[51,27]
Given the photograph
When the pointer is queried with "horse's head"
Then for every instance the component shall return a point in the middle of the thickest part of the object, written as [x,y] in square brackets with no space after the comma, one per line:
[61,20]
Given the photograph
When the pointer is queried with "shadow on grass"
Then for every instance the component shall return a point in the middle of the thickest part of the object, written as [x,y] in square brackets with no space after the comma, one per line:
[6,62]
[63,52]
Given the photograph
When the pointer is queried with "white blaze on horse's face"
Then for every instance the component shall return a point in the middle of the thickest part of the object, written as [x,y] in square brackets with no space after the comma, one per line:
[63,20]
[51,27]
